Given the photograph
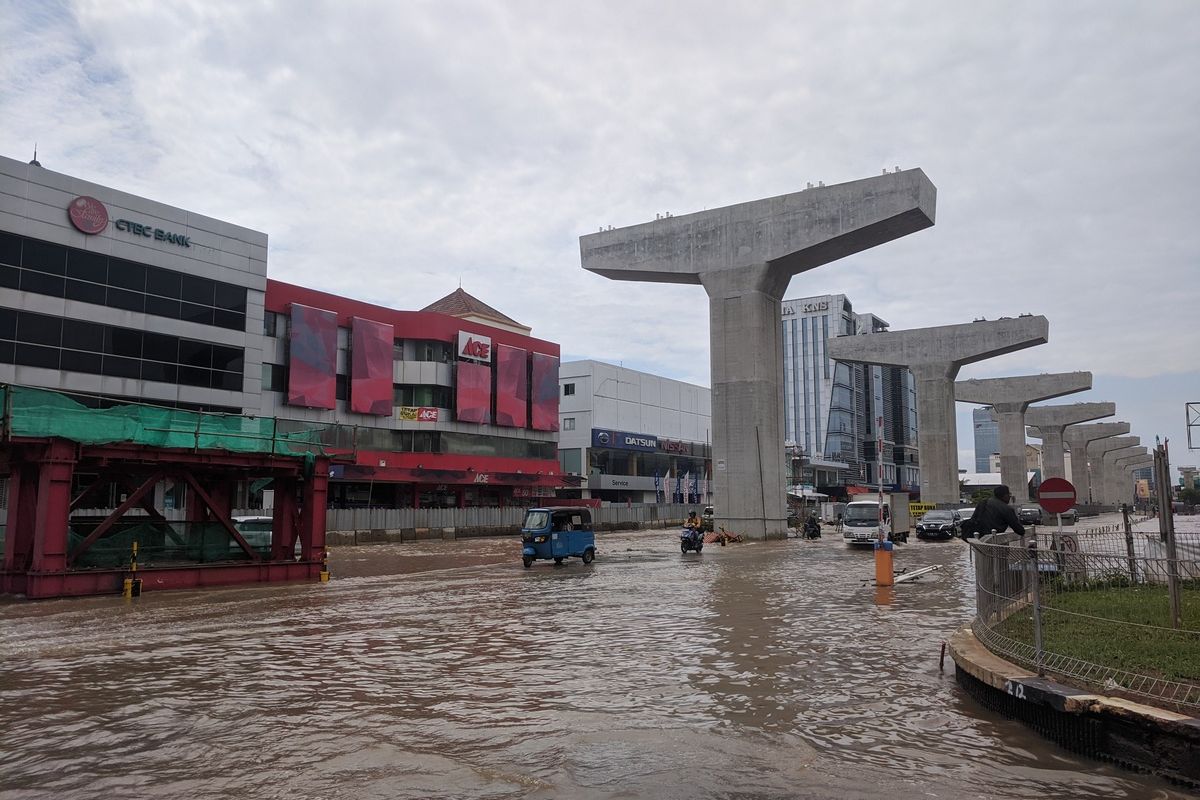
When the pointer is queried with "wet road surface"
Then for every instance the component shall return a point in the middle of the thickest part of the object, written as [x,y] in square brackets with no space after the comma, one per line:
[445,669]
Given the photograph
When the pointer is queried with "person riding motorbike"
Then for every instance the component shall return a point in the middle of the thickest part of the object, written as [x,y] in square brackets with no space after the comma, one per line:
[693,521]
[812,528]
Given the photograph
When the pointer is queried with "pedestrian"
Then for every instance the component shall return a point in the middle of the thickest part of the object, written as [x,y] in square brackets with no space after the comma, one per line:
[994,514]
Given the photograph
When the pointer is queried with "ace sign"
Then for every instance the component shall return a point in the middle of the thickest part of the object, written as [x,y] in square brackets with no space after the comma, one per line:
[474,346]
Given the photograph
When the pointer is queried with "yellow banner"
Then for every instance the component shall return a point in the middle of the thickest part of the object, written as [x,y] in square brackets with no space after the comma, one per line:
[918,510]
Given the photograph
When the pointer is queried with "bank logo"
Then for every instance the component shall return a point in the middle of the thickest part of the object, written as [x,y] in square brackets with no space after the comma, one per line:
[88,215]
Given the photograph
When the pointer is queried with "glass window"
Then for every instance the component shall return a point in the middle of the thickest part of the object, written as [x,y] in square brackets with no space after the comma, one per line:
[230,381]
[270,323]
[162,307]
[191,312]
[163,282]
[32,355]
[39,329]
[10,249]
[87,266]
[568,423]
[126,274]
[227,358]
[74,361]
[40,283]
[341,387]
[158,371]
[230,297]
[130,301]
[8,323]
[422,442]
[80,335]
[231,320]
[8,353]
[44,257]
[10,277]
[568,389]
[160,347]
[124,342]
[398,350]
[86,292]
[121,367]
[199,290]
[194,376]
[195,354]
[274,378]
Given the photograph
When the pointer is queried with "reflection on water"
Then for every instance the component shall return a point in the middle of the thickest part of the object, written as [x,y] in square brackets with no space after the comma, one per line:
[446,669]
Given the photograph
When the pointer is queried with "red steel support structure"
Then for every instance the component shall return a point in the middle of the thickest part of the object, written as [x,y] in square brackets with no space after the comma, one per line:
[40,563]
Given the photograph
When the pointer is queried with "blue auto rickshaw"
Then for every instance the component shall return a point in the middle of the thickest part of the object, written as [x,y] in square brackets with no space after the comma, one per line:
[557,533]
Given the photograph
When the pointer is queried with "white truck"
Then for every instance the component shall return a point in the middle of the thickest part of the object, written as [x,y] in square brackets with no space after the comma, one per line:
[861,521]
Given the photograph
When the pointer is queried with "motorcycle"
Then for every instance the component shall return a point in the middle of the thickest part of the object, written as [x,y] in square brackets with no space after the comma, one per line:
[812,529]
[691,539]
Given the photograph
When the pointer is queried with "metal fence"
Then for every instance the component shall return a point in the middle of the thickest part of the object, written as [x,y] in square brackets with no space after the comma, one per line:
[1113,616]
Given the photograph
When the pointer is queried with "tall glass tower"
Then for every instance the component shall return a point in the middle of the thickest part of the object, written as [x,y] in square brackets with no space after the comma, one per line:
[832,411]
[987,437]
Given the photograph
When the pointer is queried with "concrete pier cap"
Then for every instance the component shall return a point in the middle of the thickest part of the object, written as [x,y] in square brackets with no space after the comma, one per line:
[1051,421]
[1124,475]
[1111,471]
[1077,438]
[934,356]
[744,256]
[1009,399]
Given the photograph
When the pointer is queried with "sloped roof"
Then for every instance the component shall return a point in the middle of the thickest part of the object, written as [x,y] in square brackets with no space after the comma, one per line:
[460,304]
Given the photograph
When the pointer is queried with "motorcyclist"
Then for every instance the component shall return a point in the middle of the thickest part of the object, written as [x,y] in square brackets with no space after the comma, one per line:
[812,528]
[693,521]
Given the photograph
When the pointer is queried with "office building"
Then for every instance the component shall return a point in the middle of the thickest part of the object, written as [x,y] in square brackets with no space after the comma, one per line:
[987,437]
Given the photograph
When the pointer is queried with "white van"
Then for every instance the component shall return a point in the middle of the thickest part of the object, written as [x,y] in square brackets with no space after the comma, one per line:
[861,522]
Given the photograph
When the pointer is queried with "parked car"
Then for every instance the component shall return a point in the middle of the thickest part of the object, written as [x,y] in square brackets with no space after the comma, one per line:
[939,524]
[1029,514]
[706,518]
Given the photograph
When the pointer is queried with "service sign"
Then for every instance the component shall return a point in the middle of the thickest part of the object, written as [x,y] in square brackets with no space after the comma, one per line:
[474,346]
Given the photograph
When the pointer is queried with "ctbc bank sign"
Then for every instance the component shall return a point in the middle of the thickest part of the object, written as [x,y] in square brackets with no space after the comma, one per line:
[474,346]
[89,216]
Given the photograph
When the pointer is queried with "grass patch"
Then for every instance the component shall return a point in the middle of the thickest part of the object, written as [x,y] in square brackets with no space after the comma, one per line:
[1112,633]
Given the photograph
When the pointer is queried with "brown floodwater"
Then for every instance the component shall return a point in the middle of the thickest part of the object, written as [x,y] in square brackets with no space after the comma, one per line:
[445,669]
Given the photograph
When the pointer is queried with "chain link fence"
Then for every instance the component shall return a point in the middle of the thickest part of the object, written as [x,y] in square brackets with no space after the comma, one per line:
[1103,611]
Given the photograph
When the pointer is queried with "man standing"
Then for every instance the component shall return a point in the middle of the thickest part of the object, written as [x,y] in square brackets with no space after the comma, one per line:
[995,514]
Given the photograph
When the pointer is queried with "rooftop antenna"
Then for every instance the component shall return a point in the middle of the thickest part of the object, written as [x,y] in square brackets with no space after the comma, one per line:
[35,162]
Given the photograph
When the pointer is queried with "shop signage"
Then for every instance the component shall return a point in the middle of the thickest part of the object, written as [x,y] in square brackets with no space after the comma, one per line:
[158,234]
[474,346]
[788,311]
[822,305]
[623,440]
[634,482]
[417,414]
[670,446]
[88,215]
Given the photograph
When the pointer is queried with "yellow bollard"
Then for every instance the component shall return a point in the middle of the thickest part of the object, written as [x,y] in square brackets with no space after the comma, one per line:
[324,576]
[132,586]
[884,575]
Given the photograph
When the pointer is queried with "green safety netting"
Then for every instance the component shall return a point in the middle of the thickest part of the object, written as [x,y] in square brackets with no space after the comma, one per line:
[37,412]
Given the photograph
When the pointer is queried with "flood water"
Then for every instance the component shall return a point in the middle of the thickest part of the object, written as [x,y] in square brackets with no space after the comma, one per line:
[757,670]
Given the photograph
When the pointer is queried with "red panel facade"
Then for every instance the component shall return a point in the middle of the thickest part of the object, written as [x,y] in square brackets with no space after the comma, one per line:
[312,358]
[512,387]
[371,367]
[545,392]
[474,394]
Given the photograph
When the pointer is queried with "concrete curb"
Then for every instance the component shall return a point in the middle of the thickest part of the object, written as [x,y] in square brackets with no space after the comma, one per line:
[1133,735]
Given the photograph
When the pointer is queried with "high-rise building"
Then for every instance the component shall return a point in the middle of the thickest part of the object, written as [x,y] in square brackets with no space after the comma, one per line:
[987,437]
[833,411]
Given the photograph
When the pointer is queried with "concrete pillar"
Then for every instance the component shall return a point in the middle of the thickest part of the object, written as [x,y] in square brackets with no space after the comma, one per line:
[1077,438]
[1189,477]
[1009,398]
[1123,487]
[1052,421]
[744,256]
[935,355]
[1095,453]
[1112,477]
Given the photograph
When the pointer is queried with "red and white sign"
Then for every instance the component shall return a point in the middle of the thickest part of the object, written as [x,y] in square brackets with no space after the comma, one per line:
[417,413]
[88,215]
[1056,495]
[474,346]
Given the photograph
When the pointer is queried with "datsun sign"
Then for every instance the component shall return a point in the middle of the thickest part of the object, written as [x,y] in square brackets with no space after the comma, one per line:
[474,346]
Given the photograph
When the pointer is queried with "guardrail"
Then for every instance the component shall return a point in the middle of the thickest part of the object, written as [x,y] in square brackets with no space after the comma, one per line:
[1112,619]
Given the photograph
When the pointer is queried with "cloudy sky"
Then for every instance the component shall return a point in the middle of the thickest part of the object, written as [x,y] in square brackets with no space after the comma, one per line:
[393,149]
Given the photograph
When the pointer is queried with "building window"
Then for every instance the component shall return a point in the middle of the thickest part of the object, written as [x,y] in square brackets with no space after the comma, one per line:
[274,379]
[568,389]
[270,324]
[568,423]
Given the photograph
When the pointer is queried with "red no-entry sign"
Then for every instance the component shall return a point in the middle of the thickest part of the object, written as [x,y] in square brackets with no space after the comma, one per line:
[1056,495]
